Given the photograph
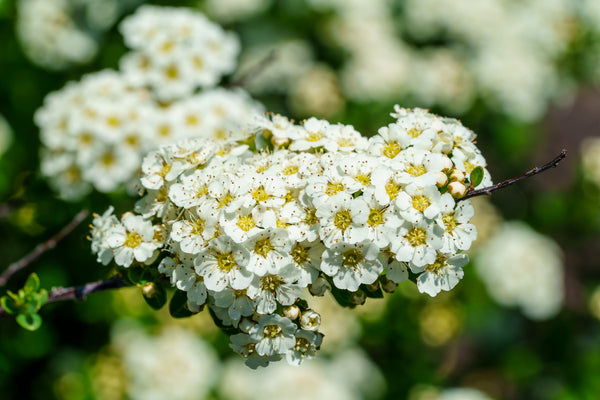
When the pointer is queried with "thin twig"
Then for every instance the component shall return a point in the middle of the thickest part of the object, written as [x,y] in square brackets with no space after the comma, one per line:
[41,248]
[78,293]
[243,80]
[488,190]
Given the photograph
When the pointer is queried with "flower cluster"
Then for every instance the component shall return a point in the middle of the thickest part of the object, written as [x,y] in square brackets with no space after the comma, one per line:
[176,51]
[244,227]
[95,132]
[58,34]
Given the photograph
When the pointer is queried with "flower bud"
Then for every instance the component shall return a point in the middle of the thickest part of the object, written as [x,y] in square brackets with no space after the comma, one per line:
[447,164]
[442,179]
[457,189]
[457,175]
[279,140]
[310,320]
[245,325]
[149,290]
[389,286]
[319,287]
[358,298]
[292,312]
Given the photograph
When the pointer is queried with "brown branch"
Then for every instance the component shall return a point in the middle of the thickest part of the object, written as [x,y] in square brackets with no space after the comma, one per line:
[41,248]
[488,190]
[254,71]
[78,293]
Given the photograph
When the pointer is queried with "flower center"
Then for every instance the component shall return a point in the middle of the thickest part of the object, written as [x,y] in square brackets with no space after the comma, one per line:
[416,170]
[270,282]
[351,258]
[246,222]
[225,261]
[440,262]
[198,227]
[165,170]
[290,170]
[300,254]
[314,137]
[259,194]
[391,149]
[420,202]
[333,188]
[416,236]
[302,345]
[311,217]
[263,247]
[449,222]
[272,331]
[342,220]
[363,179]
[202,190]
[225,200]
[414,132]
[392,189]
[133,239]
[375,217]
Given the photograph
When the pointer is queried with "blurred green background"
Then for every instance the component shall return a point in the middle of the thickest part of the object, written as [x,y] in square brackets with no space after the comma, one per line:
[348,62]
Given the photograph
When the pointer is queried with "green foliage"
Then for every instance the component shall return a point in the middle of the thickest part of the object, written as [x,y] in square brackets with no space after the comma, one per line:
[178,305]
[476,177]
[26,303]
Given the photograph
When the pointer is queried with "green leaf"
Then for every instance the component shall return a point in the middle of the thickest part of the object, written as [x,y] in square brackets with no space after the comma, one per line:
[33,283]
[343,297]
[29,321]
[9,305]
[158,298]
[178,305]
[476,176]
[139,275]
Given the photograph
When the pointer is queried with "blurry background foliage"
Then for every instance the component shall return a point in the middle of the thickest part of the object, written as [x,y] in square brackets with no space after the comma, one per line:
[413,345]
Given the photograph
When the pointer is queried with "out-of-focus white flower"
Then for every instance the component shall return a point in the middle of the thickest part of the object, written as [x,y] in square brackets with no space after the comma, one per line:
[349,375]
[174,364]
[590,159]
[523,268]
[175,51]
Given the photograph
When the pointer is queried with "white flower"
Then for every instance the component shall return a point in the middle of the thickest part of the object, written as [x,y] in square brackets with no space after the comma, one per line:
[416,203]
[268,290]
[237,302]
[307,343]
[273,335]
[269,251]
[194,233]
[223,264]
[343,219]
[417,244]
[99,229]
[245,345]
[133,239]
[458,232]
[310,320]
[443,274]
[351,265]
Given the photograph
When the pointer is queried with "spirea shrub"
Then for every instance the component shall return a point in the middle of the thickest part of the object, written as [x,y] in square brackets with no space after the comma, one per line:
[243,227]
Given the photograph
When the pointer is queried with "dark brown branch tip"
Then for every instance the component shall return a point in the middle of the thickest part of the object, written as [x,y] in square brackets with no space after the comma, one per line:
[534,171]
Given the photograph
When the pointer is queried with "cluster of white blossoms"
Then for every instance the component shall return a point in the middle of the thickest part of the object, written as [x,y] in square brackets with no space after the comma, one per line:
[95,132]
[175,51]
[523,268]
[244,227]
[58,34]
